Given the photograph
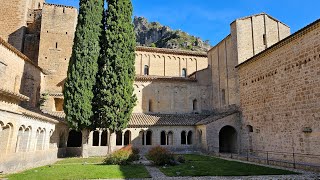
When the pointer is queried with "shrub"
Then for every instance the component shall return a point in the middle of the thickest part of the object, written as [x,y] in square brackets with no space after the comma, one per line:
[160,156]
[123,156]
[181,159]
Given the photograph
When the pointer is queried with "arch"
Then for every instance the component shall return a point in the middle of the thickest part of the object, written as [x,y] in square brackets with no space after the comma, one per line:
[19,142]
[228,139]
[127,138]
[119,138]
[146,70]
[6,137]
[104,138]
[163,138]
[95,138]
[170,138]
[189,138]
[74,139]
[40,139]
[195,105]
[142,135]
[183,137]
[184,72]
[149,138]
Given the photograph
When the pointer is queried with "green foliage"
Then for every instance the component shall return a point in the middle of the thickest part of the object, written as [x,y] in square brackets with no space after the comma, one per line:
[83,65]
[181,159]
[198,165]
[44,97]
[78,169]
[123,156]
[153,45]
[160,156]
[114,98]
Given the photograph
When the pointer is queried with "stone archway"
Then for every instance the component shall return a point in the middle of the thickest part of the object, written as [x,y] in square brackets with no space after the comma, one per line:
[228,140]
[74,139]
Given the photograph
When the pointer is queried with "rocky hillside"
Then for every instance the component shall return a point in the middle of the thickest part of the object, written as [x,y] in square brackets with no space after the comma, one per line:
[155,35]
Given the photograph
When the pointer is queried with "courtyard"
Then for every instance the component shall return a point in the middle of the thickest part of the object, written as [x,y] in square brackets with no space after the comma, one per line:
[195,166]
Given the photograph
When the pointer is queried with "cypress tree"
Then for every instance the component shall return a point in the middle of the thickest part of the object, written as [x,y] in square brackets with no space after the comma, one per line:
[83,65]
[114,99]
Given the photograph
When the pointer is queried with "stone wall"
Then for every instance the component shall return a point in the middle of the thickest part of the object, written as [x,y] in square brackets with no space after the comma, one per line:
[249,36]
[279,92]
[157,96]
[56,39]
[167,62]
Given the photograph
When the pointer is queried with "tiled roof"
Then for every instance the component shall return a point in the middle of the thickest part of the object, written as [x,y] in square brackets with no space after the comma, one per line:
[14,95]
[171,51]
[58,114]
[216,117]
[146,120]
[37,115]
[165,78]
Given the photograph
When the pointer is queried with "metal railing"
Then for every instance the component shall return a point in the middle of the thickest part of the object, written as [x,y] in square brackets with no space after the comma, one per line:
[285,159]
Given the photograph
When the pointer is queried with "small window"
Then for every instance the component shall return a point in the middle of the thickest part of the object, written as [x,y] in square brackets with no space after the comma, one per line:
[56,45]
[58,102]
[146,70]
[184,72]
[264,39]
[195,105]
[150,106]
[249,128]
[223,96]
[64,10]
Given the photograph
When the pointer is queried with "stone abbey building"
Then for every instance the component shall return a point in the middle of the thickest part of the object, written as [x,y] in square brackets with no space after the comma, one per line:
[257,90]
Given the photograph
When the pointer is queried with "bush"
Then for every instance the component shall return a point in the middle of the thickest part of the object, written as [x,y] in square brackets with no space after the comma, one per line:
[123,156]
[160,156]
[181,159]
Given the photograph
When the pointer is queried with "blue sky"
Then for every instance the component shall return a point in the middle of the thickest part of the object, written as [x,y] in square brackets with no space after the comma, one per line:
[210,19]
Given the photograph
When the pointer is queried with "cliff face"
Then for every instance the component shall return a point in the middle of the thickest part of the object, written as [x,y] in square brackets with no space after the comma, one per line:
[155,35]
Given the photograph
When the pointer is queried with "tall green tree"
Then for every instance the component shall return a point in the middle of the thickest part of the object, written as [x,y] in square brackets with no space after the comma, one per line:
[114,100]
[83,65]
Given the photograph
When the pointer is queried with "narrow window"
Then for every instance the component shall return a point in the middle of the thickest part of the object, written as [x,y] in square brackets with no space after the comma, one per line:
[223,96]
[163,138]
[127,138]
[264,39]
[249,128]
[150,106]
[184,72]
[149,138]
[104,138]
[189,138]
[56,45]
[39,5]
[95,140]
[146,70]
[183,137]
[64,9]
[118,138]
[195,105]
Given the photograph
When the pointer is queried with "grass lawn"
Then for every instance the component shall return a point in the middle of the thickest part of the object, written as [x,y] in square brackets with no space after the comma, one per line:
[76,168]
[197,165]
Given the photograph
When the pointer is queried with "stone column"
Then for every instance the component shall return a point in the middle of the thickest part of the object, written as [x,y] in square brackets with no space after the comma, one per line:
[145,138]
[85,138]
[100,133]
[122,139]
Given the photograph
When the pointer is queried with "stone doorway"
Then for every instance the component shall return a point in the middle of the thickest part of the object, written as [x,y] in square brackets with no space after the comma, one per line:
[228,140]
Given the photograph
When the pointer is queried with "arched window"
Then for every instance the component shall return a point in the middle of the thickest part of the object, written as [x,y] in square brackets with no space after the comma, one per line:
[184,72]
[6,134]
[119,138]
[189,138]
[74,139]
[163,138]
[149,138]
[40,139]
[127,138]
[19,145]
[146,70]
[183,137]
[95,138]
[104,138]
[249,128]
[170,138]
[195,105]
[150,106]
